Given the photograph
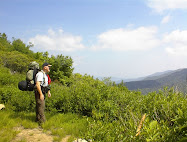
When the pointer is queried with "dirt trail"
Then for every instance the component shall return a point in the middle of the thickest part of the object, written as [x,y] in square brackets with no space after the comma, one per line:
[34,135]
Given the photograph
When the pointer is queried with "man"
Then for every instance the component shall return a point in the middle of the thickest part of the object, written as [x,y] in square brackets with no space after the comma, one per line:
[41,89]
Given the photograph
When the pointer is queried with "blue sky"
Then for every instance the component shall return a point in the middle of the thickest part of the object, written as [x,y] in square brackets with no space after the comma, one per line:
[108,38]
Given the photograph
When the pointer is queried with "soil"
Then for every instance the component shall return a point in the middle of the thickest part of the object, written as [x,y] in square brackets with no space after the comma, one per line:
[34,135]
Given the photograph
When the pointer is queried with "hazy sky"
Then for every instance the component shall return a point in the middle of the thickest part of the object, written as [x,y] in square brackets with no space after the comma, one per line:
[108,38]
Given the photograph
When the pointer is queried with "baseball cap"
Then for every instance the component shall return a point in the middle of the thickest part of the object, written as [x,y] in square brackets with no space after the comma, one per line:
[46,64]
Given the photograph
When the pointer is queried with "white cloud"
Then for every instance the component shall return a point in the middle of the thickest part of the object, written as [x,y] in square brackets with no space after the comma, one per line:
[165,19]
[161,5]
[142,38]
[57,41]
[176,42]
[78,60]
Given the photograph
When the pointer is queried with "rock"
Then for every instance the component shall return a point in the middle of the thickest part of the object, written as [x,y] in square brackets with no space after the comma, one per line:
[2,106]
[80,140]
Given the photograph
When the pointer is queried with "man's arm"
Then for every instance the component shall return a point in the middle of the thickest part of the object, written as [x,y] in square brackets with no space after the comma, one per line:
[39,90]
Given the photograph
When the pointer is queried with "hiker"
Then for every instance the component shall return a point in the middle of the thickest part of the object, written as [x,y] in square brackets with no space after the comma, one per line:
[41,89]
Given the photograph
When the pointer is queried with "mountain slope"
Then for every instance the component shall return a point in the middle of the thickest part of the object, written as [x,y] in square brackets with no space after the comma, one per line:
[149,77]
[159,75]
[175,79]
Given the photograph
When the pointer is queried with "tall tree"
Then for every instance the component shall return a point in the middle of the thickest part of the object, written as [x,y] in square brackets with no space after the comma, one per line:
[15,61]
[4,43]
[18,45]
[61,67]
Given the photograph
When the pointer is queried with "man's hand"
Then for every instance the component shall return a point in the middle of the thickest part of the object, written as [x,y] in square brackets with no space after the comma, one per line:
[42,97]
[49,94]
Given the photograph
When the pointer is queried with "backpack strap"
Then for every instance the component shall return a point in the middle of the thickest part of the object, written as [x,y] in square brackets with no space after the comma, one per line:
[34,74]
[43,77]
[46,88]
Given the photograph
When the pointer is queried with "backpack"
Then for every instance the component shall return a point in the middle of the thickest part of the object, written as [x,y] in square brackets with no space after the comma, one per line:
[29,83]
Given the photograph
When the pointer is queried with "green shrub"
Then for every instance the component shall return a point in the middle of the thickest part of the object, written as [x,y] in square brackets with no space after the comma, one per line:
[115,111]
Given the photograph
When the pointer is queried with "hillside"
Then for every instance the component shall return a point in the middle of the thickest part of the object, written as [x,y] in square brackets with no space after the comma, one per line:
[87,108]
[176,79]
[158,75]
[149,77]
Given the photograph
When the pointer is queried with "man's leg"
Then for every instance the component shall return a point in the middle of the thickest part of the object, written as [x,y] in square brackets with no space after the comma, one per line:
[40,107]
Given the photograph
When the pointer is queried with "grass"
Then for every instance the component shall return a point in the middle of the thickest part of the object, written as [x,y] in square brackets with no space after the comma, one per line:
[58,124]
[65,124]
[6,127]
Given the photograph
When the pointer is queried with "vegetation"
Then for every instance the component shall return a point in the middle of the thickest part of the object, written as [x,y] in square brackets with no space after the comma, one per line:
[60,125]
[89,108]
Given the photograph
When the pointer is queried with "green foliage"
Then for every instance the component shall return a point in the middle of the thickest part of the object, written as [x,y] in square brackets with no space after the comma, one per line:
[66,124]
[116,108]
[4,43]
[15,61]
[113,112]
[6,127]
[60,125]
[61,68]
[16,56]
[19,46]
[11,95]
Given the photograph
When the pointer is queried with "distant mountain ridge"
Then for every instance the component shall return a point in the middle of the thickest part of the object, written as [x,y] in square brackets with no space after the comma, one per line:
[159,75]
[171,78]
[149,77]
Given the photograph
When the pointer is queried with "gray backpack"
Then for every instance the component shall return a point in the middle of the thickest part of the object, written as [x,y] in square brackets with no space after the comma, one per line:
[29,83]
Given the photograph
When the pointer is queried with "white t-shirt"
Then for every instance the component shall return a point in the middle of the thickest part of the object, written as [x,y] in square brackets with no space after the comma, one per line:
[42,77]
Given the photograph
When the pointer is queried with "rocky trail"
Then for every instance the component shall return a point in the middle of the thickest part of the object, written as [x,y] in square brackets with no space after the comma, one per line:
[35,135]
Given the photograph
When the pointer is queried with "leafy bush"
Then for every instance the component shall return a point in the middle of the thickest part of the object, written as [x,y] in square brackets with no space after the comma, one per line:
[117,108]
[115,111]
[11,95]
